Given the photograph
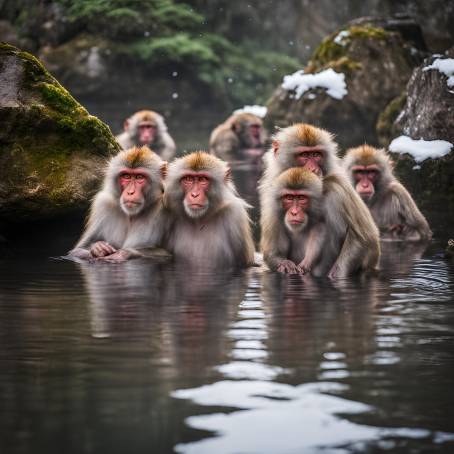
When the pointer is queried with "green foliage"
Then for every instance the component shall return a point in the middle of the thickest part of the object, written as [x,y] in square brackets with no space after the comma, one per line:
[120,19]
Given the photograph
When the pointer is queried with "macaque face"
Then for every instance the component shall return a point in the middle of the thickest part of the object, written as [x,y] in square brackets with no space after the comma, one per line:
[255,130]
[295,204]
[195,186]
[146,132]
[310,158]
[366,177]
[133,184]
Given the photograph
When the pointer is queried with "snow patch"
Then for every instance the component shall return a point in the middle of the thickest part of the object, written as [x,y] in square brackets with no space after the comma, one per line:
[340,38]
[420,149]
[445,66]
[331,80]
[259,111]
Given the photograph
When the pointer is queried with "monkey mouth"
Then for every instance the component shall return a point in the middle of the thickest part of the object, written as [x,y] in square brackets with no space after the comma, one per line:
[196,206]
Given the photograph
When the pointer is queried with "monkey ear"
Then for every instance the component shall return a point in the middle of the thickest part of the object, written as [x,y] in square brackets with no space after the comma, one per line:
[228,175]
[275,147]
[163,170]
[126,125]
[235,127]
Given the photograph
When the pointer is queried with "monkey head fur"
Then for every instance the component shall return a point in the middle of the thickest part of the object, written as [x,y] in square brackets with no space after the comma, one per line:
[365,155]
[221,187]
[134,158]
[286,141]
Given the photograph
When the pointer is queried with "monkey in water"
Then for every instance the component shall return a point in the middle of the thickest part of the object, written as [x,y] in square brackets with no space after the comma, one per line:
[126,215]
[349,224]
[240,138]
[293,231]
[147,128]
[211,227]
[392,207]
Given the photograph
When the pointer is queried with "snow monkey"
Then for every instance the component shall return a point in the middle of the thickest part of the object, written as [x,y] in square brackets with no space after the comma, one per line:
[392,207]
[147,128]
[350,228]
[240,137]
[211,226]
[293,232]
[127,213]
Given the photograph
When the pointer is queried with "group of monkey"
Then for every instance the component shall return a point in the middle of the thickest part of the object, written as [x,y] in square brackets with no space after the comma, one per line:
[319,214]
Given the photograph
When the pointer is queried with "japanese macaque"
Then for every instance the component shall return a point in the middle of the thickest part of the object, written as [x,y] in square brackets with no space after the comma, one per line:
[240,137]
[211,225]
[292,225]
[147,128]
[350,230]
[392,207]
[127,213]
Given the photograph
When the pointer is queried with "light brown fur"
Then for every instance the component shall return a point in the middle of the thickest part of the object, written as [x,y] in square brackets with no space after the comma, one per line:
[229,139]
[391,206]
[352,239]
[162,144]
[222,237]
[109,223]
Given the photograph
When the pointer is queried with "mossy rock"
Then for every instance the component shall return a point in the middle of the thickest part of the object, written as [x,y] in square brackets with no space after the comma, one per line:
[51,150]
[387,129]
[376,63]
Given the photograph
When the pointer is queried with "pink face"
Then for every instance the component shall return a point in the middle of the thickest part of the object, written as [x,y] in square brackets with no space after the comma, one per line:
[195,186]
[295,203]
[310,158]
[254,133]
[365,178]
[133,183]
[147,132]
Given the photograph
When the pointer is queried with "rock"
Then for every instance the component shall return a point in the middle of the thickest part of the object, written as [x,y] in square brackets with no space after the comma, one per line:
[427,113]
[377,65]
[51,150]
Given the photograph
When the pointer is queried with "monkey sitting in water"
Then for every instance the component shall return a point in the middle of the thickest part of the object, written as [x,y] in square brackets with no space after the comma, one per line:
[147,128]
[127,213]
[392,207]
[240,137]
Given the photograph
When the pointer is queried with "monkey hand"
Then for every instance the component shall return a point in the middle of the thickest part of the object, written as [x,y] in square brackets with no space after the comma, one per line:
[397,229]
[117,257]
[287,267]
[304,267]
[101,249]
[334,272]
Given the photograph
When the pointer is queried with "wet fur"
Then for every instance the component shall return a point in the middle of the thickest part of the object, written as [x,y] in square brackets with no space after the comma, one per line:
[391,203]
[108,222]
[352,238]
[220,238]
[162,144]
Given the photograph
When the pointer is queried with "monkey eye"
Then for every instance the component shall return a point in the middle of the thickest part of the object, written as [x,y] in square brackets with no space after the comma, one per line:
[140,177]
[316,154]
[203,180]
[302,198]
[188,179]
[288,198]
[125,176]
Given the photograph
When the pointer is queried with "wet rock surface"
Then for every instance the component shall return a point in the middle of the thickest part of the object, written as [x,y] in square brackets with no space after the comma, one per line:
[51,150]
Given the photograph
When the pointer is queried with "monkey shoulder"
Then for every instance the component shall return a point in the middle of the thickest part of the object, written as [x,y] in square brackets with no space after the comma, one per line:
[124,140]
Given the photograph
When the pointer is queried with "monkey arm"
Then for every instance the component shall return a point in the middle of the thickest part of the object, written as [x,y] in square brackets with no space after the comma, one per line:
[313,251]
[169,147]
[413,218]
[225,145]
[349,219]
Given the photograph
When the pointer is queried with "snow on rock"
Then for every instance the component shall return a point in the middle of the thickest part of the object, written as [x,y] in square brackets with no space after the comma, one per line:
[445,66]
[260,111]
[340,37]
[331,80]
[420,149]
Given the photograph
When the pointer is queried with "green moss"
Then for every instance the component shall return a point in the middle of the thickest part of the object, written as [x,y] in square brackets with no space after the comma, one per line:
[332,54]
[386,129]
[59,99]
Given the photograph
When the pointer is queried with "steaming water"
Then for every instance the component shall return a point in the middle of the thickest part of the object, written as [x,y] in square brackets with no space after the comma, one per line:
[149,358]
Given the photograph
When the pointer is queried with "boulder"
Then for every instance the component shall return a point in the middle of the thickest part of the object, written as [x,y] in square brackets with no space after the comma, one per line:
[52,151]
[376,64]
[427,113]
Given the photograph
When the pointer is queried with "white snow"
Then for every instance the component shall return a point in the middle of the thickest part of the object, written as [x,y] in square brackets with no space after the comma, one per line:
[339,39]
[260,111]
[331,80]
[445,66]
[420,149]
